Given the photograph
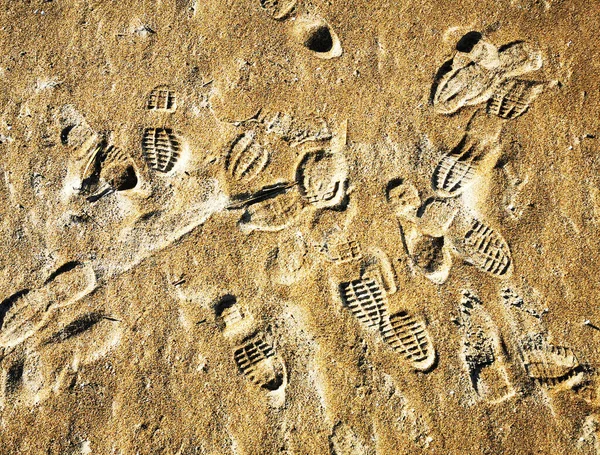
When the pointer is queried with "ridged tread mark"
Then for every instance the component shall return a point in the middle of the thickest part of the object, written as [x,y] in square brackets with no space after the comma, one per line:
[366,299]
[549,364]
[344,250]
[232,316]
[483,350]
[455,170]
[409,336]
[162,98]
[246,158]
[255,357]
[487,249]
[161,148]
[512,99]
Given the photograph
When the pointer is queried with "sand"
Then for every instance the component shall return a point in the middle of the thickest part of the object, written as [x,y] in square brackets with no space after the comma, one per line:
[289,227]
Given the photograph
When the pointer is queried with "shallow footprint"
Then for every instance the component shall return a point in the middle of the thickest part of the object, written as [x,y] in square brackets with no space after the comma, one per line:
[430,255]
[513,98]
[482,351]
[271,209]
[422,231]
[551,365]
[27,311]
[341,248]
[476,154]
[322,177]
[289,262]
[254,356]
[162,99]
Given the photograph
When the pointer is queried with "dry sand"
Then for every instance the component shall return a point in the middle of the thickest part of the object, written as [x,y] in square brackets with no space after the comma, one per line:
[288,227]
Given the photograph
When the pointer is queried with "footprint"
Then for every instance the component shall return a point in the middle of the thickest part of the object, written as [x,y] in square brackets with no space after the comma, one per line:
[547,364]
[474,241]
[478,70]
[430,255]
[18,313]
[512,300]
[49,360]
[483,351]
[236,321]
[456,169]
[366,299]
[162,99]
[513,98]
[27,311]
[467,85]
[75,130]
[161,148]
[344,441]
[85,338]
[422,236]
[518,58]
[297,130]
[480,245]
[271,209]
[255,357]
[113,171]
[340,248]
[439,227]
[409,336]
[246,158]
[322,177]
[104,169]
[403,198]
[475,154]
[551,365]
[69,283]
[288,263]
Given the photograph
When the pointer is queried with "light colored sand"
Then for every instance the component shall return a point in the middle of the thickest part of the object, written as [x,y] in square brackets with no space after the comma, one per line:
[341,228]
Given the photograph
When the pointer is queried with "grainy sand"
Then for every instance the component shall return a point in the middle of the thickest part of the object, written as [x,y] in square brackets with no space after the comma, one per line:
[288,227]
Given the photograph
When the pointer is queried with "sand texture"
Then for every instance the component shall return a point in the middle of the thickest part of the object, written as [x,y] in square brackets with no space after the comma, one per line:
[299,227]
